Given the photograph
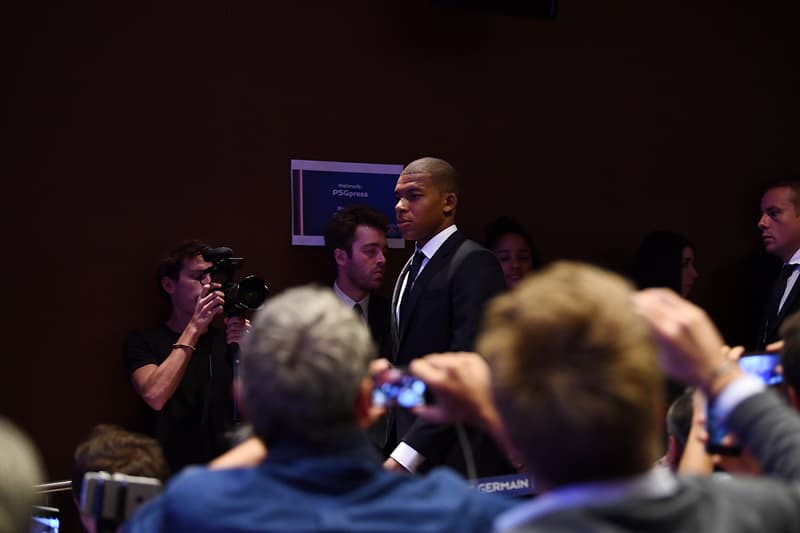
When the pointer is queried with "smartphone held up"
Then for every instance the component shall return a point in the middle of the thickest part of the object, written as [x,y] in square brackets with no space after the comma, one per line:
[394,387]
[764,366]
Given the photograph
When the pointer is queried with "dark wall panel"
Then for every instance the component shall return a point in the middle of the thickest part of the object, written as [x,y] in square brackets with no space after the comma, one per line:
[133,126]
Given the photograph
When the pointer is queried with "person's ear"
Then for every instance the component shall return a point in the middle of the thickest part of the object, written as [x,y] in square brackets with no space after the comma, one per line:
[450,203]
[168,284]
[340,256]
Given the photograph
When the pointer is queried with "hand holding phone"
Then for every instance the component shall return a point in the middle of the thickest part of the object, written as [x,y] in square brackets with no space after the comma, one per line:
[764,366]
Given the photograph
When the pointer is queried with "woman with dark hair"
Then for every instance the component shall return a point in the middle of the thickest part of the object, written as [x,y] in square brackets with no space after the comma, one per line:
[665,259]
[513,247]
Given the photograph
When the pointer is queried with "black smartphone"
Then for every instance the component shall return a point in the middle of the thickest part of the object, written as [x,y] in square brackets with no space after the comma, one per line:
[762,365]
[716,432]
[396,387]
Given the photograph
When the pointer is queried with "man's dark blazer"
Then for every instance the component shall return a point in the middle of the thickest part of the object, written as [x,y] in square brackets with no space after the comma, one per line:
[769,329]
[378,320]
[444,311]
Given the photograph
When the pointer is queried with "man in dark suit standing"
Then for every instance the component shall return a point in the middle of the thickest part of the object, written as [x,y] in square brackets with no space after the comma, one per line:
[780,232]
[356,241]
[437,304]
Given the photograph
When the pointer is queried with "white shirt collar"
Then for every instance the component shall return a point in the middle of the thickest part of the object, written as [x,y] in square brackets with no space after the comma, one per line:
[349,302]
[436,242]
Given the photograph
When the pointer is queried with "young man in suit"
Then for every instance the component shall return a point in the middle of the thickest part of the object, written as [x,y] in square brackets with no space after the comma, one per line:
[436,306]
[356,241]
[780,232]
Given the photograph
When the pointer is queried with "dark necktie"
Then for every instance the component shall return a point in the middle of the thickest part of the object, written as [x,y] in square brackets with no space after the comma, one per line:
[358,310]
[416,263]
[775,300]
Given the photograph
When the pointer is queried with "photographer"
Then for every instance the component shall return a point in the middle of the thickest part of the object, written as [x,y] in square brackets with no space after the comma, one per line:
[180,368]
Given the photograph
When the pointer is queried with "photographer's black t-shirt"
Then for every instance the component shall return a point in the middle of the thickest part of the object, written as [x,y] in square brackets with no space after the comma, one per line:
[192,425]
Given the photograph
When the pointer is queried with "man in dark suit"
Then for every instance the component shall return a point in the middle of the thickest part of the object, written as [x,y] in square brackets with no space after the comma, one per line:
[437,304]
[356,241]
[780,232]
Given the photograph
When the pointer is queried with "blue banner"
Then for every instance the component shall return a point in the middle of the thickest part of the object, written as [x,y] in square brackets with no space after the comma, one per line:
[320,188]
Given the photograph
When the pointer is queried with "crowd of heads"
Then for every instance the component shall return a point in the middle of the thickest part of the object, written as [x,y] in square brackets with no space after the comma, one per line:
[574,369]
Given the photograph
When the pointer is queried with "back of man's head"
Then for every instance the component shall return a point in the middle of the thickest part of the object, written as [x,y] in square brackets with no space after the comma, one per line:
[340,229]
[112,449]
[303,364]
[790,355]
[575,375]
[679,423]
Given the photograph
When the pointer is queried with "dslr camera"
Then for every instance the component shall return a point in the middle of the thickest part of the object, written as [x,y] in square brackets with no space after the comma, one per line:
[248,294]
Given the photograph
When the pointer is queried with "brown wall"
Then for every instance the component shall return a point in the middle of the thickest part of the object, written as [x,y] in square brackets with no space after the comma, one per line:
[133,127]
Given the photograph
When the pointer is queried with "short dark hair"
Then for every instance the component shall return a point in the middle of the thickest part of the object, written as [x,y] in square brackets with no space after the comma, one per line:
[792,182]
[111,448]
[171,265]
[340,230]
[658,260]
[504,226]
[679,417]
[790,355]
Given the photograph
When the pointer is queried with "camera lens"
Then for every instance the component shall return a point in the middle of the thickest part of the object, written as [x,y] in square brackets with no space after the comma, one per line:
[251,293]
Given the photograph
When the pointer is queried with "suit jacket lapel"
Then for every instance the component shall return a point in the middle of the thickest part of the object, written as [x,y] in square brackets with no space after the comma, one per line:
[435,264]
[395,298]
[787,305]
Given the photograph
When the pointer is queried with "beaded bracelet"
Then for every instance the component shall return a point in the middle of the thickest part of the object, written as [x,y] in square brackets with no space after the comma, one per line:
[177,345]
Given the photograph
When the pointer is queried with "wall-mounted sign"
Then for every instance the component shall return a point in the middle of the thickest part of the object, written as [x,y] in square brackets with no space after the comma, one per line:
[320,188]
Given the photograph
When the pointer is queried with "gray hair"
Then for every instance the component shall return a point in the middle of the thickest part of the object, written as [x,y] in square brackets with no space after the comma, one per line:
[303,363]
[20,469]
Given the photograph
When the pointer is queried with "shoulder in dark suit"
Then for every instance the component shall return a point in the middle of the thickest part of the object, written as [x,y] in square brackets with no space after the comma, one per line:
[769,329]
[444,313]
[378,319]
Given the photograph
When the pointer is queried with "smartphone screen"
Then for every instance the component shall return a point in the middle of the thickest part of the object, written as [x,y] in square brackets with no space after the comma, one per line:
[395,387]
[762,365]
[716,432]
[45,519]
